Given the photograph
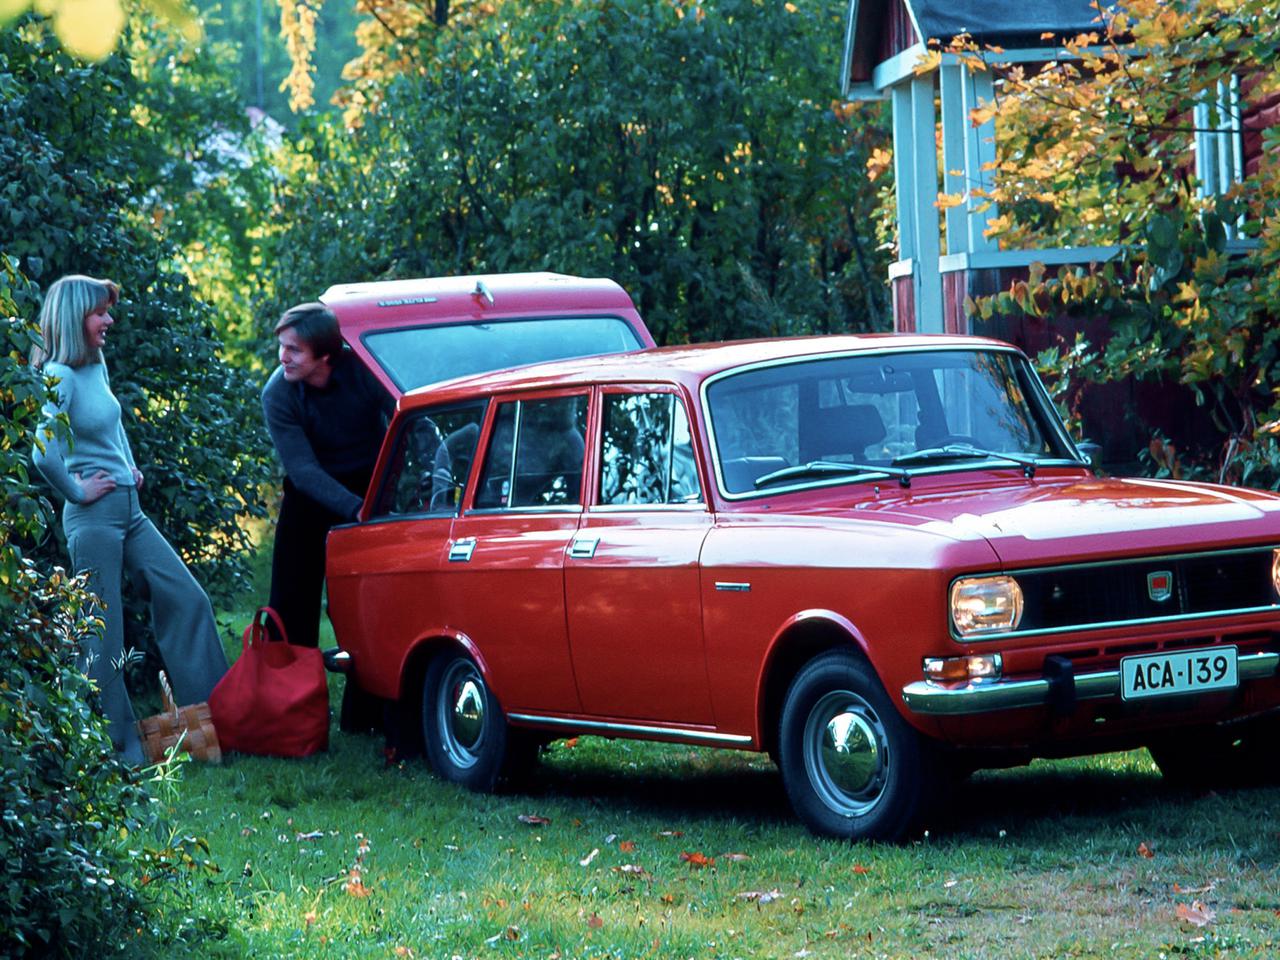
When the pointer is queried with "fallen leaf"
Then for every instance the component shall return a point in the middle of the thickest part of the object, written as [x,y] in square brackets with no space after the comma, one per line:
[355,885]
[950,883]
[1207,888]
[670,833]
[626,846]
[634,868]
[735,857]
[309,917]
[533,819]
[403,952]
[1198,915]
[312,835]
[697,859]
[586,861]
[761,896]
[571,742]
[248,832]
[512,933]
[668,898]
[859,868]
[594,921]
[1145,851]
[610,838]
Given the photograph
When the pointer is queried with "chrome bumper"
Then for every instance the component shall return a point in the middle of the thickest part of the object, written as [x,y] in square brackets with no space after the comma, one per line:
[985,696]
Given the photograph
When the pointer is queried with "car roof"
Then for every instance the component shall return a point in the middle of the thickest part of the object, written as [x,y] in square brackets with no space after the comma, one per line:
[688,364]
[360,307]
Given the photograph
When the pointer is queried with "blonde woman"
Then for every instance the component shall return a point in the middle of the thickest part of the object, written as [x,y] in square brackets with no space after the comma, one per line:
[106,531]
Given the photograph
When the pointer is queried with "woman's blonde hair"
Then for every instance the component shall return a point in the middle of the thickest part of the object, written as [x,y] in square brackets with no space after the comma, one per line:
[67,303]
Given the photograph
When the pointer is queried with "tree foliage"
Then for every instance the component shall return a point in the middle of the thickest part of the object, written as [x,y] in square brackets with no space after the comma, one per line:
[83,173]
[690,151]
[1098,150]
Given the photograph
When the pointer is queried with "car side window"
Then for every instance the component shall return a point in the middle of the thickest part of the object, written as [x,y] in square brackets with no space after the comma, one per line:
[535,455]
[647,451]
[431,461]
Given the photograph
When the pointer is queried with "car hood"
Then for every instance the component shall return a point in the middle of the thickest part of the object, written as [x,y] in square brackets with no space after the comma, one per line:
[1081,519]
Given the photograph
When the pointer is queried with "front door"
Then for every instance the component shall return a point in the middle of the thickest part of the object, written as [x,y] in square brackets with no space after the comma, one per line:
[631,577]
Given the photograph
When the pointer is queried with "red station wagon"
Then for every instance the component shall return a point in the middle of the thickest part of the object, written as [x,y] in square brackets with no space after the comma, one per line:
[877,558]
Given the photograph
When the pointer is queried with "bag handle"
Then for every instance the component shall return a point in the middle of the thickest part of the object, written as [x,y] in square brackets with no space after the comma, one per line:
[258,628]
[166,696]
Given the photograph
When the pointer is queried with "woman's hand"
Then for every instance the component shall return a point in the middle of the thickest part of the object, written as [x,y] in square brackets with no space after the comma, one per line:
[138,478]
[95,487]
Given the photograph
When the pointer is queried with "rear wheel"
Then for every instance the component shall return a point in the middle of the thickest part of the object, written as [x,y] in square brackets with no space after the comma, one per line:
[851,765]
[464,728]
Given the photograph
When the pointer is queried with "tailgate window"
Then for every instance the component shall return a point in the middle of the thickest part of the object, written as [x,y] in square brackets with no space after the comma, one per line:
[416,356]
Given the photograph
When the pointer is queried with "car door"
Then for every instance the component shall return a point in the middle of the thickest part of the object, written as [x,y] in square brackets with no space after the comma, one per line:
[384,586]
[505,561]
[631,576]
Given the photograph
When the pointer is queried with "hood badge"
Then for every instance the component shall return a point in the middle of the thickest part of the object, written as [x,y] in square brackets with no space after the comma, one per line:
[1160,585]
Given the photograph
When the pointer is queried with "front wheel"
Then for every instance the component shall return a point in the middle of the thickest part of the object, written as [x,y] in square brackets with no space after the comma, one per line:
[852,767]
[463,727]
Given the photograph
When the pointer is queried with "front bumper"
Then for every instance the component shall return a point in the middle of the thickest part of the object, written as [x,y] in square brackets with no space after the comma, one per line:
[986,696]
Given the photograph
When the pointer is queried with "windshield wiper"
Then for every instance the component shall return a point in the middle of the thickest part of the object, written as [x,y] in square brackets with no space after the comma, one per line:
[815,468]
[966,451]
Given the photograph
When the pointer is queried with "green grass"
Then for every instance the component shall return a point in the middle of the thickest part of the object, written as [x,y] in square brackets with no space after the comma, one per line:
[1041,862]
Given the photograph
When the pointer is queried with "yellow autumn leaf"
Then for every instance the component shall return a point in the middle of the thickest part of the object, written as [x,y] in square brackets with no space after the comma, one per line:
[89,28]
[984,114]
[946,201]
[929,61]
[9,9]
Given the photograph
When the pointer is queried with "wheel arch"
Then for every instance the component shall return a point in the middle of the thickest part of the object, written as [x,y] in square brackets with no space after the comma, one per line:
[413,672]
[803,637]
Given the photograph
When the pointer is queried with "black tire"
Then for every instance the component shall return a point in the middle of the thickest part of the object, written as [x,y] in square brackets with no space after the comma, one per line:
[879,788]
[463,726]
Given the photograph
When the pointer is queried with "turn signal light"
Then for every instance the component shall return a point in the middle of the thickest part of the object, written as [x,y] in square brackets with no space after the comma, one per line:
[984,666]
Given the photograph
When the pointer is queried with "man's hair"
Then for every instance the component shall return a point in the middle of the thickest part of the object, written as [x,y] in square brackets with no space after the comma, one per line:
[67,303]
[316,326]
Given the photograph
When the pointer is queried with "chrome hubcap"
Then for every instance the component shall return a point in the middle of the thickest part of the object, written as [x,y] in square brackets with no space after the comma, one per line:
[845,753]
[461,712]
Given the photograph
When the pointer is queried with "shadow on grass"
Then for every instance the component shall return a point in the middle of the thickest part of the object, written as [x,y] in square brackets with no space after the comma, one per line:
[1047,799]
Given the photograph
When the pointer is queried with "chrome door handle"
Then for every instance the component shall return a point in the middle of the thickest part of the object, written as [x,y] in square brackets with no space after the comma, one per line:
[583,548]
[460,550]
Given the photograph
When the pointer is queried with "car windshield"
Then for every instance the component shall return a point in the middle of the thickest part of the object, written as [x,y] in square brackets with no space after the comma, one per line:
[416,356]
[840,419]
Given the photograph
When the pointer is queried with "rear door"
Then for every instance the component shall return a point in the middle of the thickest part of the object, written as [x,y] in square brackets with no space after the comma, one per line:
[505,563]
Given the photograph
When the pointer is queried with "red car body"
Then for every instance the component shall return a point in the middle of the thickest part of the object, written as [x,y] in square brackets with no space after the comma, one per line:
[812,613]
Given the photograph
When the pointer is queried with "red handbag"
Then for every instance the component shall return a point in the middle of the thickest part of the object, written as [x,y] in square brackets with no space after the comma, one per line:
[274,700]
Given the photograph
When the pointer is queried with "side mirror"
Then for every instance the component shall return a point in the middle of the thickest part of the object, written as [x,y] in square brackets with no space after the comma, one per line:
[1091,451]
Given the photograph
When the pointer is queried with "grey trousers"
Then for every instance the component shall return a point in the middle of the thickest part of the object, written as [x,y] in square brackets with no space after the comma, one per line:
[106,538]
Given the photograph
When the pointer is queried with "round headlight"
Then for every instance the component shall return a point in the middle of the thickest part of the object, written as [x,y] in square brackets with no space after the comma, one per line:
[985,605]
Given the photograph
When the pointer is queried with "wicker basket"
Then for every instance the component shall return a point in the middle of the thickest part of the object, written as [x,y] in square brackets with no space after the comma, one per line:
[193,725]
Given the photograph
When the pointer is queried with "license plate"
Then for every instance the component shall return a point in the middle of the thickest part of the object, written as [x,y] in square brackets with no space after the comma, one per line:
[1187,671]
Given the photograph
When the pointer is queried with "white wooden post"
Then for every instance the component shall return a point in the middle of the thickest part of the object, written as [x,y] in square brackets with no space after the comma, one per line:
[954,173]
[926,279]
[980,153]
[904,171]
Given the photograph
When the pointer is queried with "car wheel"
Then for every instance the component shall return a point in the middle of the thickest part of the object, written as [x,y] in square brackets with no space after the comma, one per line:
[464,728]
[851,766]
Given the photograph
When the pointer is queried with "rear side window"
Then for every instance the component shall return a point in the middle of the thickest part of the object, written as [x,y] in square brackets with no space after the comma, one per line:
[431,462]
[535,455]
[647,451]
[416,356]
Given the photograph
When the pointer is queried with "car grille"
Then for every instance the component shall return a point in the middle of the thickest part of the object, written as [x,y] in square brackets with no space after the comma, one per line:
[1134,590]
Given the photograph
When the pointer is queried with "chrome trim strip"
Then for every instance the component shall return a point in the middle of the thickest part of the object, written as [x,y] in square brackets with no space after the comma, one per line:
[590,726]
[931,699]
[1155,558]
[728,587]
[1081,627]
